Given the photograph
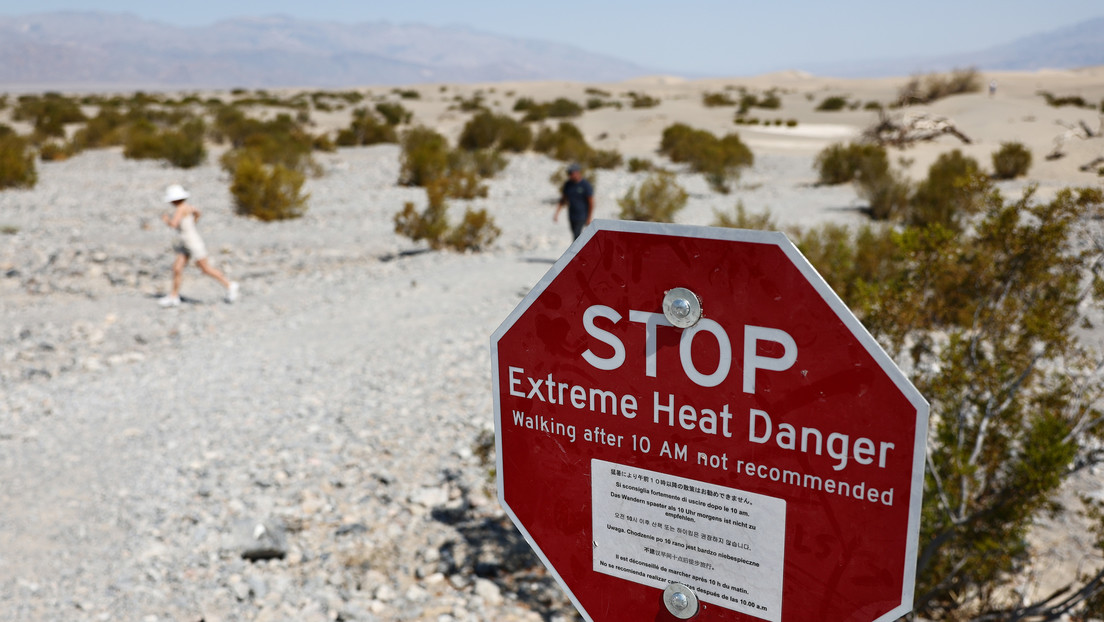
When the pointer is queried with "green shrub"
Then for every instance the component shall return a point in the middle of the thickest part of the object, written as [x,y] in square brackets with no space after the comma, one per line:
[565,143]
[487,130]
[887,194]
[1012,160]
[54,151]
[475,232]
[106,129]
[393,113]
[658,199]
[603,158]
[17,162]
[719,159]
[642,100]
[949,194]
[182,147]
[267,192]
[639,165]
[832,104]
[770,101]
[366,129]
[839,164]
[425,157]
[48,113]
[715,100]
[407,93]
[559,108]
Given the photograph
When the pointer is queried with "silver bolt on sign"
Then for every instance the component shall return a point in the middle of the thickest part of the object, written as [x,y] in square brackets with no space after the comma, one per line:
[682,307]
[681,601]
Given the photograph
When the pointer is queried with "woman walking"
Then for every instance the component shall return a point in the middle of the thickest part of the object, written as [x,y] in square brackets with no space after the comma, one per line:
[189,246]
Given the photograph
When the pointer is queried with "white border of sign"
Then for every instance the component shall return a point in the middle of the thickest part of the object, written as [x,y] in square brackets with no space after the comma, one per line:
[813,277]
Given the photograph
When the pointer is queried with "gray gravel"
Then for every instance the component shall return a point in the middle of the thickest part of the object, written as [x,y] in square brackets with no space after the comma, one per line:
[309,453]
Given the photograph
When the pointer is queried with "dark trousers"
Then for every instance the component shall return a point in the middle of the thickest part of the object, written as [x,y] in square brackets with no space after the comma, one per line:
[577,228]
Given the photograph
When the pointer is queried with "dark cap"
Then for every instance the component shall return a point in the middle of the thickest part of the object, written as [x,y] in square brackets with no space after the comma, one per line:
[573,168]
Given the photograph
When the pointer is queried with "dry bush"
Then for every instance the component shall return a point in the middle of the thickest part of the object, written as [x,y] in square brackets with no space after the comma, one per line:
[1012,160]
[476,231]
[657,199]
[720,160]
[926,89]
[366,129]
[949,194]
[17,161]
[425,157]
[839,163]
[487,130]
[267,191]
[741,219]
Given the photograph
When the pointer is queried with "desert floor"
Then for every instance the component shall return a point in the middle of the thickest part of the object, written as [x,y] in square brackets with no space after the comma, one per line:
[341,401]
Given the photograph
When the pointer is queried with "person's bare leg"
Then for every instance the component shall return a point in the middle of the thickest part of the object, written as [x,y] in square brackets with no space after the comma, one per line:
[213,272]
[178,273]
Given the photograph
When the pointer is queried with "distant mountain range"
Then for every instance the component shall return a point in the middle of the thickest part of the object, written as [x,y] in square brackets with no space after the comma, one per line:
[121,51]
[1079,45]
[111,49]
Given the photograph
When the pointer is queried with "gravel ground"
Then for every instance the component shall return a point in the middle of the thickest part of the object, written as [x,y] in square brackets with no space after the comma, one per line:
[309,453]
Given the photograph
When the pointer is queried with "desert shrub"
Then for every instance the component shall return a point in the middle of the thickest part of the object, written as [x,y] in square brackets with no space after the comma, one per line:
[487,130]
[107,128]
[394,113]
[476,231]
[770,100]
[280,140]
[1059,101]
[267,191]
[832,104]
[603,158]
[657,199]
[17,162]
[886,193]
[48,113]
[565,143]
[986,320]
[485,163]
[715,100]
[639,165]
[425,156]
[950,193]
[642,100]
[54,151]
[407,93]
[741,219]
[839,163]
[474,103]
[926,89]
[1012,160]
[873,105]
[719,159]
[182,147]
[559,108]
[366,129]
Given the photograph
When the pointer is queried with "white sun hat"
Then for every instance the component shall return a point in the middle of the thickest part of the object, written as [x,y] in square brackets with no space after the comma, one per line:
[175,192]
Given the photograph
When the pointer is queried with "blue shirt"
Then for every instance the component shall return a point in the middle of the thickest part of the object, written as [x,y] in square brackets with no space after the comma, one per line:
[577,195]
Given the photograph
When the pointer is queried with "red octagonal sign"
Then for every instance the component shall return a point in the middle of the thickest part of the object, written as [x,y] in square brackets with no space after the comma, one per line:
[691,424]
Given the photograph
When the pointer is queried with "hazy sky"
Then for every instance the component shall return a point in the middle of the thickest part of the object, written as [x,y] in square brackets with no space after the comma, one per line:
[699,36]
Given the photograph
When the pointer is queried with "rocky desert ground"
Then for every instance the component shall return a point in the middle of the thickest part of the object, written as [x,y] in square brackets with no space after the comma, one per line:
[314,451]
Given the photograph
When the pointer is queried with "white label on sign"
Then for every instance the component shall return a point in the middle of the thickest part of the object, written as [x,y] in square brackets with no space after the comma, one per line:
[656,529]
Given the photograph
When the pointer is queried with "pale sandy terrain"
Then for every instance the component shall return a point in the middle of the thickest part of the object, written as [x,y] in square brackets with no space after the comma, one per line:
[343,394]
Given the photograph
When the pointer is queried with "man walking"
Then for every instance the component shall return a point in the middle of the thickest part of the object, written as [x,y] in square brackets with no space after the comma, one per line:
[578,195]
